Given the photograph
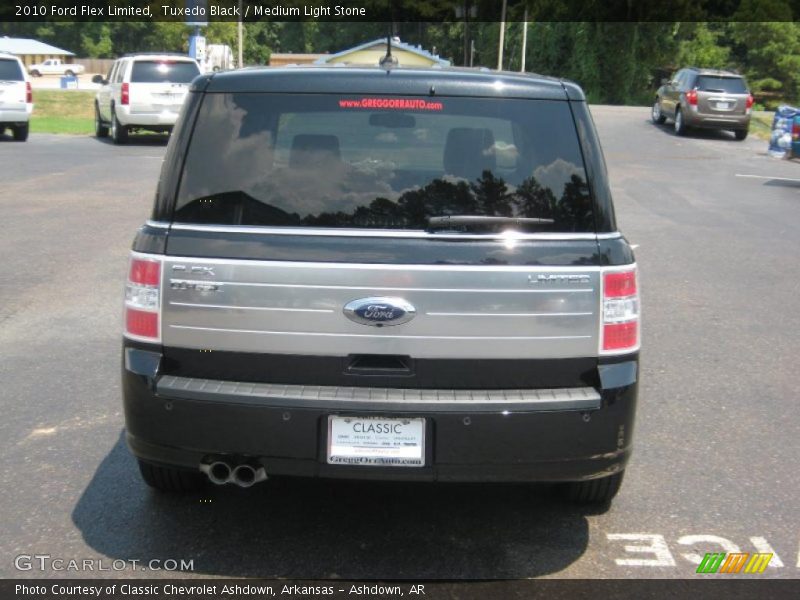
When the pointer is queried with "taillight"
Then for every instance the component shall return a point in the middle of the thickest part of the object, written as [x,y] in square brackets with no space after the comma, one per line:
[749,102]
[125,95]
[796,130]
[691,97]
[620,311]
[143,299]
[28,93]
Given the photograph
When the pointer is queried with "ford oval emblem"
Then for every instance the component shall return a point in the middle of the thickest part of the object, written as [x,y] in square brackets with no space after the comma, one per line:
[379,312]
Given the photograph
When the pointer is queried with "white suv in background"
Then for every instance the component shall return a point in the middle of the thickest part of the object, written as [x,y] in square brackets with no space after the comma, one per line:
[16,97]
[142,91]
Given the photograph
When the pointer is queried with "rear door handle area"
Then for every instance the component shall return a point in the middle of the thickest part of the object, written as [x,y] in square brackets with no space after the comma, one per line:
[380,364]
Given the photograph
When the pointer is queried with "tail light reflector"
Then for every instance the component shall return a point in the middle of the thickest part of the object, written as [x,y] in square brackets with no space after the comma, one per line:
[28,92]
[125,94]
[620,326]
[691,97]
[141,323]
[143,299]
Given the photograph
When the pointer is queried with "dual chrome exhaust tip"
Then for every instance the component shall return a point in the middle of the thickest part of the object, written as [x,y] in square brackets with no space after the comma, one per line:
[244,475]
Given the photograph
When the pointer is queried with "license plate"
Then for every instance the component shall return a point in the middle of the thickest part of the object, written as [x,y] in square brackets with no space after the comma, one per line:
[376,441]
[723,105]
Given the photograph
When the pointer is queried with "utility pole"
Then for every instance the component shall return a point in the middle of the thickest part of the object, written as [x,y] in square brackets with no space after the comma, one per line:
[240,34]
[465,11]
[466,31]
[524,40]
[502,37]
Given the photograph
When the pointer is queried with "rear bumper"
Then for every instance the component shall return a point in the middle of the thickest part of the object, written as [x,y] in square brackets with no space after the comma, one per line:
[501,437]
[9,117]
[162,119]
[693,118]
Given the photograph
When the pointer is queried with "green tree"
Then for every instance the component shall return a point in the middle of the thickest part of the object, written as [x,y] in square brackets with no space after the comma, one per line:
[222,32]
[534,200]
[259,40]
[96,41]
[770,53]
[699,44]
[614,62]
[492,195]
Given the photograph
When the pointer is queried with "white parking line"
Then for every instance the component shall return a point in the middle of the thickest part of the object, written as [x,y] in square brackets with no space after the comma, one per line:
[768,177]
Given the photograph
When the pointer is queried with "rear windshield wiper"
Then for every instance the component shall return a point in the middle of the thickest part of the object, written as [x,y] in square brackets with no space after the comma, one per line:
[447,221]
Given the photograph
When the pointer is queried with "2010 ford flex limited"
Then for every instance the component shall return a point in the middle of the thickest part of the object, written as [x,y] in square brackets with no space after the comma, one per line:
[405,274]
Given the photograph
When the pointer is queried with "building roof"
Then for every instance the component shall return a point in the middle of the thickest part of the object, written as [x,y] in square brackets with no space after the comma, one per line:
[27,46]
[286,58]
[396,45]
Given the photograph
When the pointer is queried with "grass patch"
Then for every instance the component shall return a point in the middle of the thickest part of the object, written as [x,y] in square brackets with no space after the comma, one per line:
[63,111]
[761,124]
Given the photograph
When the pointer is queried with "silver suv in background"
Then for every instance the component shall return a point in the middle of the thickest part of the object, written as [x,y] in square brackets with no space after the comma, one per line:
[142,92]
[705,98]
[16,97]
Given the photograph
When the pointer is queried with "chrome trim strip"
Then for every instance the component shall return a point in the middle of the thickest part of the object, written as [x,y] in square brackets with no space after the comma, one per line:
[567,314]
[269,308]
[383,337]
[272,394]
[390,233]
[287,264]
[382,289]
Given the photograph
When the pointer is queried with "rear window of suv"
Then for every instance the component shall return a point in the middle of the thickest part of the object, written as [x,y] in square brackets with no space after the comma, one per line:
[389,162]
[729,85]
[10,70]
[164,71]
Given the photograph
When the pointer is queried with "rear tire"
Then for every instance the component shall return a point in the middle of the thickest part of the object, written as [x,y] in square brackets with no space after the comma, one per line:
[100,128]
[594,491]
[21,132]
[69,73]
[680,125]
[741,134]
[167,479]
[656,114]
[35,73]
[119,133]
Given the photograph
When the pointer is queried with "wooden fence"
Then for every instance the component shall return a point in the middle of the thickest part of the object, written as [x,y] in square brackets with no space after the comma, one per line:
[95,65]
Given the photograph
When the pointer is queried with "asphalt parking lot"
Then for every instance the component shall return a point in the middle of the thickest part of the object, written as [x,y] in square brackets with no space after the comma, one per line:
[717,224]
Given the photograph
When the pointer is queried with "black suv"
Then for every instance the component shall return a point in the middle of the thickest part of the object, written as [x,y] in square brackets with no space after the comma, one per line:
[406,274]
